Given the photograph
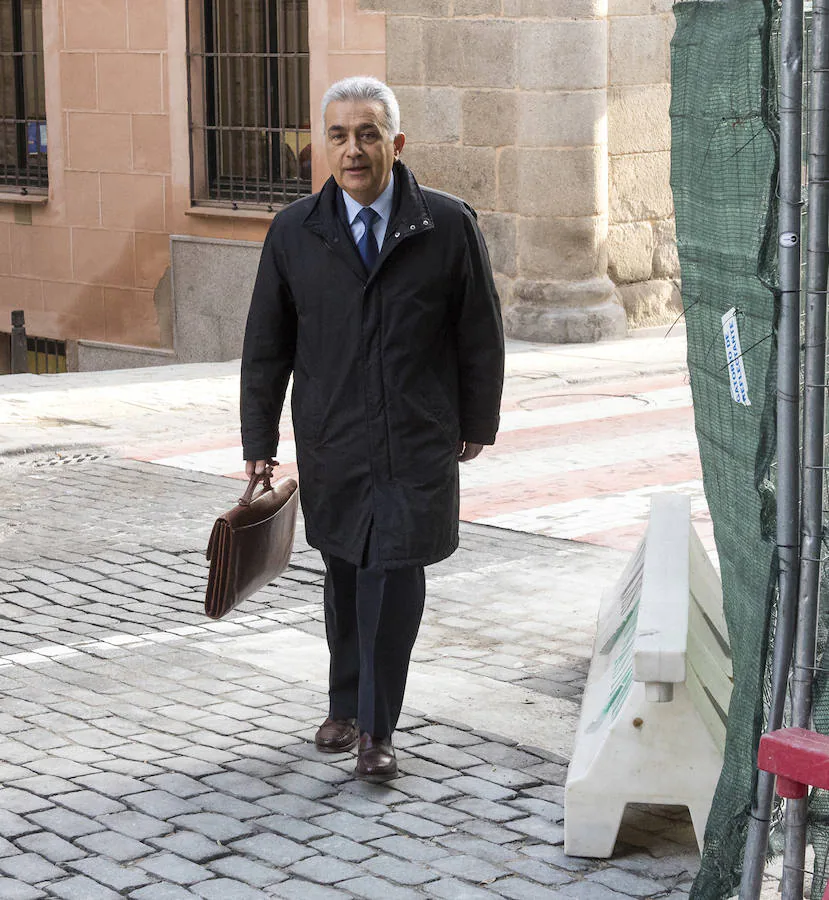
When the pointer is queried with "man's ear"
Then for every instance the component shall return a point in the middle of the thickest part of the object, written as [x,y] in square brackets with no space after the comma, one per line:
[399,141]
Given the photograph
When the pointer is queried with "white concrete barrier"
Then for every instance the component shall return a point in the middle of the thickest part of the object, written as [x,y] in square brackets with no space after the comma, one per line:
[652,726]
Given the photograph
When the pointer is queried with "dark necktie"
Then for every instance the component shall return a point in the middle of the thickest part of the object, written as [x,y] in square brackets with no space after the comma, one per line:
[367,245]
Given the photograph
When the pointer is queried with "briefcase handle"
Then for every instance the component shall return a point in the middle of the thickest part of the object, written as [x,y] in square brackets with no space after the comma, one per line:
[264,477]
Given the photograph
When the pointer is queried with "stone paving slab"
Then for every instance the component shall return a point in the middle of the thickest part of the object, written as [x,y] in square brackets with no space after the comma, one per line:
[138,761]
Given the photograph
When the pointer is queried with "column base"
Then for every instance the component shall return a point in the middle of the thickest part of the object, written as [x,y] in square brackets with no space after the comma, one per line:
[565,312]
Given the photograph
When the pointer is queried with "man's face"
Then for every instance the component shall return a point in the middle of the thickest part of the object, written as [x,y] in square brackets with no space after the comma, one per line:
[360,154]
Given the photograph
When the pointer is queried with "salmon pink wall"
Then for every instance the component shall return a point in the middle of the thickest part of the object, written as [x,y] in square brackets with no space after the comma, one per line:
[90,263]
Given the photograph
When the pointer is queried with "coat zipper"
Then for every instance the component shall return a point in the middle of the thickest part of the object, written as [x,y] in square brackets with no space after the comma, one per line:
[399,236]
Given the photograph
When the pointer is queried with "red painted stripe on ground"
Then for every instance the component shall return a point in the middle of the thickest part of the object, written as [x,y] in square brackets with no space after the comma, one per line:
[509,497]
[627,537]
[507,441]
[184,448]
[593,430]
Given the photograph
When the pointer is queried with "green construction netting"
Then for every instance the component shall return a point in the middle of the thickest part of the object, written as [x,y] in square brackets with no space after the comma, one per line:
[724,170]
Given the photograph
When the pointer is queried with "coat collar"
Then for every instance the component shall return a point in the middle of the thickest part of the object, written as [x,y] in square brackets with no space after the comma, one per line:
[410,216]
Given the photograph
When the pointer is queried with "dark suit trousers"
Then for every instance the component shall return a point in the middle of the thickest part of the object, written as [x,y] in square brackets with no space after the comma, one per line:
[372,616]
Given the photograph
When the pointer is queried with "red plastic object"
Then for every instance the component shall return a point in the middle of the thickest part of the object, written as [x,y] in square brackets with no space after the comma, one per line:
[798,757]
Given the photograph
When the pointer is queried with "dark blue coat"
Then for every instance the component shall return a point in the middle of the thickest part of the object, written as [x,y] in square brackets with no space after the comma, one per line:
[390,369]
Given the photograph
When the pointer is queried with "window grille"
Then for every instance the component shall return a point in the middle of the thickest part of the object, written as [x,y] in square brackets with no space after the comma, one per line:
[250,107]
[23,166]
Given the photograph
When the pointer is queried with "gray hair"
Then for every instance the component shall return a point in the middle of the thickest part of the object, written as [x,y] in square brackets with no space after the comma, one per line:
[364,87]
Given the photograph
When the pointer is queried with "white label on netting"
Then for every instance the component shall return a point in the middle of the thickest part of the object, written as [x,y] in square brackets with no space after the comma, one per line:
[734,355]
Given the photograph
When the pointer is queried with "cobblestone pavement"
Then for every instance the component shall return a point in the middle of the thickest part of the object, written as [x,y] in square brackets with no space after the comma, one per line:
[150,753]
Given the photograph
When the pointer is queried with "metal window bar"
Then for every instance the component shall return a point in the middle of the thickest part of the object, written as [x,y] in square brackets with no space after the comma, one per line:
[251,134]
[23,143]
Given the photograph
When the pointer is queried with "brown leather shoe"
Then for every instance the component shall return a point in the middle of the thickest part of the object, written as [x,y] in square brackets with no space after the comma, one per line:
[375,760]
[337,735]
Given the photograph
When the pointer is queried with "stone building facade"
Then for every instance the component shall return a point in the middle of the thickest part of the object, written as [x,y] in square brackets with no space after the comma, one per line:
[549,116]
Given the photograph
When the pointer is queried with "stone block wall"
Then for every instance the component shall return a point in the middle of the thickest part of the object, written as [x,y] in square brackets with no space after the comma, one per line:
[504,103]
[551,118]
[641,247]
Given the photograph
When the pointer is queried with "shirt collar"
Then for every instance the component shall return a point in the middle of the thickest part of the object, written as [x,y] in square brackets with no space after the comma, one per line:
[382,205]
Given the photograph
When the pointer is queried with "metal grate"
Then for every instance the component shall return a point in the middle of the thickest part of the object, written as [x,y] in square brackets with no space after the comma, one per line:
[250,106]
[46,356]
[65,459]
[23,144]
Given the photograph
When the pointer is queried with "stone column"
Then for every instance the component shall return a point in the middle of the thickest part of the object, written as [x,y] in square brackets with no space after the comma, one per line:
[555,180]
[504,103]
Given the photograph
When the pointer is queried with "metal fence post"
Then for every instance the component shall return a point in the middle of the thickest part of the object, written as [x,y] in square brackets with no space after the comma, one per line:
[788,424]
[814,389]
[19,349]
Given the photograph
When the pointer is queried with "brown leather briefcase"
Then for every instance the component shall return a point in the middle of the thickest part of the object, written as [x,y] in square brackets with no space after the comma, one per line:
[251,544]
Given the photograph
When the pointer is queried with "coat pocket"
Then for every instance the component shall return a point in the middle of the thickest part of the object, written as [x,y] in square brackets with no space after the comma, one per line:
[436,407]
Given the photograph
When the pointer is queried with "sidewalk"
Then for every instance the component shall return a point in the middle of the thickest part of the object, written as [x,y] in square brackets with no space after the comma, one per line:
[151,753]
[164,408]
[588,433]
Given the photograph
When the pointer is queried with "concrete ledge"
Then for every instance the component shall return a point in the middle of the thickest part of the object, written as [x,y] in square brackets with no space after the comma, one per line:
[93,356]
[226,212]
[212,283]
[563,294]
[24,199]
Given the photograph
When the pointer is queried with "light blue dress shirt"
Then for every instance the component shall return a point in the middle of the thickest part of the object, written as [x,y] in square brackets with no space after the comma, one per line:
[382,206]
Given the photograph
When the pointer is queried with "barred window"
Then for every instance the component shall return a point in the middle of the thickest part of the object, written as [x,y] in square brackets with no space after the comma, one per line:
[250,106]
[22,98]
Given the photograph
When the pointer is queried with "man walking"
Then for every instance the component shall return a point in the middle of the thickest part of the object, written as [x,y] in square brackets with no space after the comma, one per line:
[378,295]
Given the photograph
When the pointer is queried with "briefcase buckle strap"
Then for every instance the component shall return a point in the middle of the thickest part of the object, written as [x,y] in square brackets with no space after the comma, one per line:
[264,477]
